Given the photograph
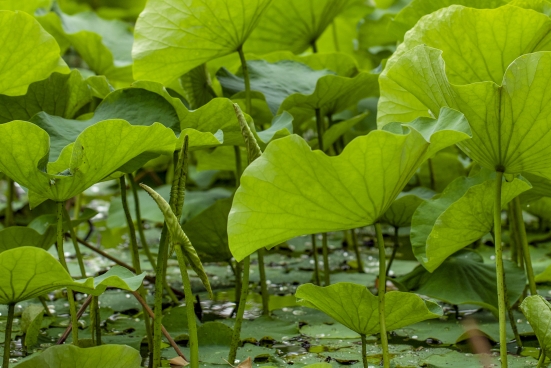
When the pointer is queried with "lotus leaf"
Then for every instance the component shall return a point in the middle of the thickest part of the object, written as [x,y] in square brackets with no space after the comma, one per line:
[31,321]
[538,312]
[401,210]
[290,190]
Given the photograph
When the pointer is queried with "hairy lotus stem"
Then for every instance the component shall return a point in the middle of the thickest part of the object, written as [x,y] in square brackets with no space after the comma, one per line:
[7,336]
[79,314]
[541,360]
[61,255]
[238,168]
[135,253]
[75,242]
[500,273]
[381,294]
[356,246]
[316,261]
[364,351]
[95,321]
[521,231]
[246,78]
[263,283]
[236,336]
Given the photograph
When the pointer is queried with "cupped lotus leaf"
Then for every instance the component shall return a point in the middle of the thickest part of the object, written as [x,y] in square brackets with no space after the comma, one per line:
[401,210]
[99,151]
[357,308]
[290,190]
[511,124]
[105,356]
[31,271]
[333,94]
[294,25]
[464,278]
[30,53]
[105,45]
[410,14]
[173,37]
[276,81]
[17,236]
[59,94]
[537,311]
[28,6]
[178,238]
[208,232]
[460,216]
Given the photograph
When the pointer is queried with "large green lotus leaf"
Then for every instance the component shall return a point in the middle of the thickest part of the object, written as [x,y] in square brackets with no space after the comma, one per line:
[59,94]
[541,187]
[31,321]
[401,210]
[276,80]
[338,62]
[17,236]
[173,37]
[208,232]
[410,15]
[28,6]
[105,356]
[294,24]
[446,167]
[356,307]
[221,158]
[29,53]
[511,124]
[464,279]
[100,150]
[105,45]
[290,190]
[537,311]
[31,271]
[460,216]
[333,94]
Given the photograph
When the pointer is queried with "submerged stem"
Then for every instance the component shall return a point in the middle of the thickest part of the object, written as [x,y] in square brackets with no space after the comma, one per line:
[381,295]
[521,230]
[236,337]
[7,336]
[246,78]
[500,274]
[263,283]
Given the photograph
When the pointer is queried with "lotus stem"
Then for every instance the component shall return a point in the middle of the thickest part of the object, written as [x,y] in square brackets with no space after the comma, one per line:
[431,174]
[316,261]
[314,47]
[246,78]
[236,337]
[10,194]
[61,255]
[381,294]
[75,242]
[364,351]
[95,320]
[356,247]
[190,309]
[502,305]
[135,253]
[541,360]
[7,336]
[238,168]
[263,283]
[79,314]
[521,230]
[394,249]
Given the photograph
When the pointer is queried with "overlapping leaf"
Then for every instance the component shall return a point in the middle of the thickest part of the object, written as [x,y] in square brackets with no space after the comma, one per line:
[291,190]
[401,210]
[538,312]
[357,308]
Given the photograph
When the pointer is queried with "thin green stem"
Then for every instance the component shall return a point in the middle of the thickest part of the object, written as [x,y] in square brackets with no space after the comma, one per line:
[190,309]
[75,242]
[263,282]
[246,78]
[238,168]
[162,257]
[45,305]
[139,221]
[7,336]
[394,249]
[314,47]
[364,351]
[95,320]
[236,337]
[499,271]
[320,129]
[431,174]
[10,195]
[356,247]
[524,244]
[316,261]
[326,268]
[382,290]
[541,360]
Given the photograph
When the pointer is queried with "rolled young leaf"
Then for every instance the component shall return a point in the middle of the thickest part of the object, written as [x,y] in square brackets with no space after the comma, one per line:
[291,190]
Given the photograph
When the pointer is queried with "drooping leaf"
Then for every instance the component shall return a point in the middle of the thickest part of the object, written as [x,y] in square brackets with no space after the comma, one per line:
[460,216]
[179,238]
[538,312]
[99,151]
[290,190]
[30,53]
[441,66]
[464,278]
[198,31]
[105,356]
[105,45]
[294,24]
[401,210]
[357,308]
[31,321]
